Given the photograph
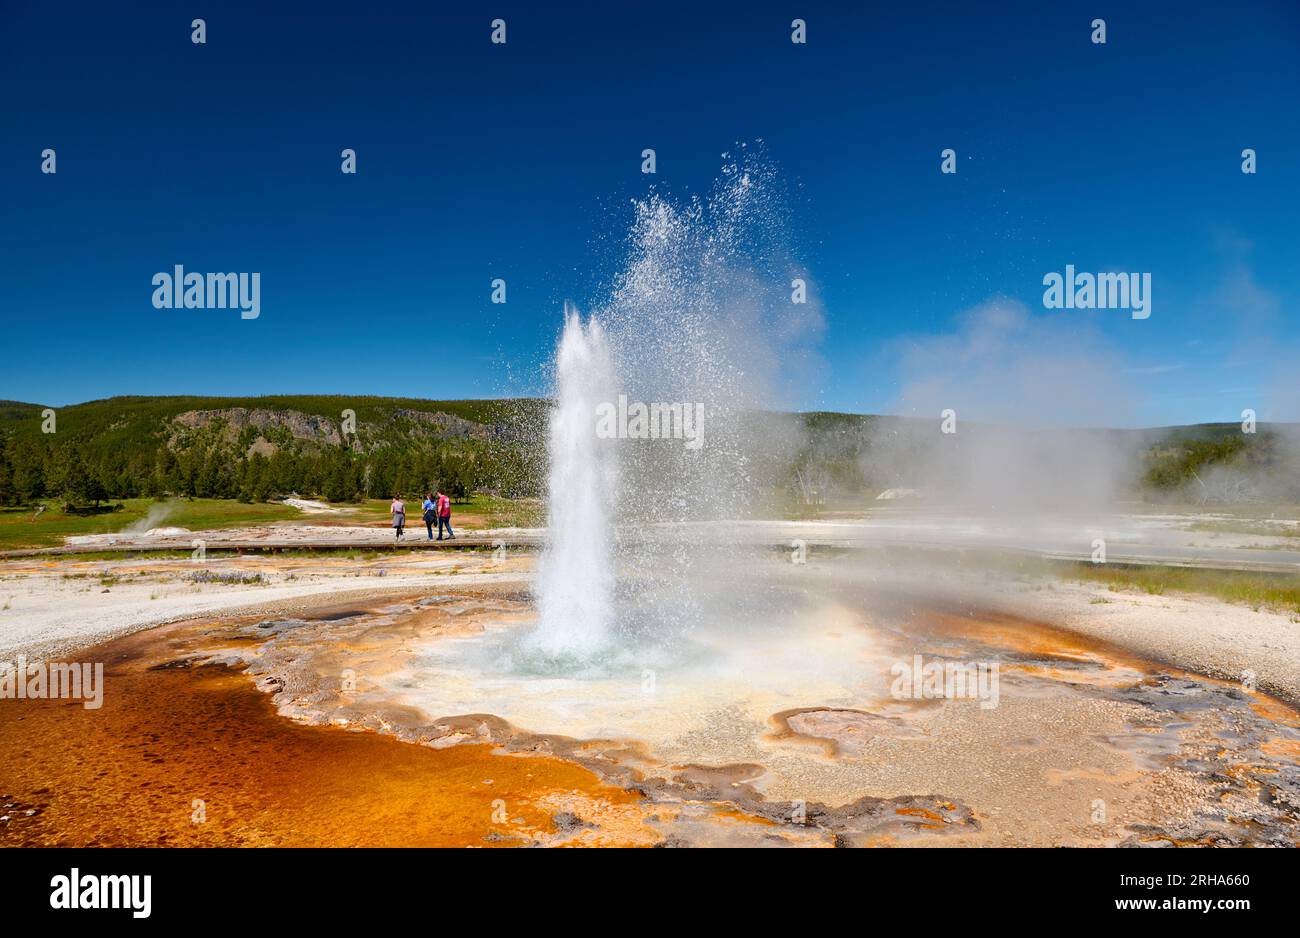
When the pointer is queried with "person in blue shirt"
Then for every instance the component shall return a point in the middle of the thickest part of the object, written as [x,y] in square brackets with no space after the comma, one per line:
[430,514]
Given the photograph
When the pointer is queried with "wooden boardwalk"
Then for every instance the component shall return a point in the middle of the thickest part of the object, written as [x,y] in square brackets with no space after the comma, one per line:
[272,546]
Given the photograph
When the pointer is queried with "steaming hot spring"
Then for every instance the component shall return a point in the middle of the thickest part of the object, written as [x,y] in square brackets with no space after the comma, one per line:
[666,671]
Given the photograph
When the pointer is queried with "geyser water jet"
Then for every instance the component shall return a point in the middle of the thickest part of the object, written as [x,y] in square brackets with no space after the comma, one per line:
[698,315]
[575,585]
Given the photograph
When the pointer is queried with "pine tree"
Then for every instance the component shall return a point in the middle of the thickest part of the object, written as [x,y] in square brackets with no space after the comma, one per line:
[28,473]
[8,493]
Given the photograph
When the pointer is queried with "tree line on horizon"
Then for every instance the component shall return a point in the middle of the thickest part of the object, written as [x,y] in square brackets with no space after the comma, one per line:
[136,450]
[134,447]
[84,476]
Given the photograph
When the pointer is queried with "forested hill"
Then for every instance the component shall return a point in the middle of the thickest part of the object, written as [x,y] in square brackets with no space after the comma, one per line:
[344,447]
[338,446]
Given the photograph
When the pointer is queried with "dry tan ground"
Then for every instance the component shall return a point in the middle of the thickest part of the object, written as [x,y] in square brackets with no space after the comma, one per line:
[1067,733]
[50,607]
[1197,633]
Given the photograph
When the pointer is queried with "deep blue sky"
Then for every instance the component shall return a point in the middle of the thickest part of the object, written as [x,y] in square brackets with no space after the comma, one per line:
[480,161]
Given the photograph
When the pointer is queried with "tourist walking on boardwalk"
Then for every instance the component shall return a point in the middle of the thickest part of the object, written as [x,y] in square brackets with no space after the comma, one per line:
[444,516]
[398,510]
[430,513]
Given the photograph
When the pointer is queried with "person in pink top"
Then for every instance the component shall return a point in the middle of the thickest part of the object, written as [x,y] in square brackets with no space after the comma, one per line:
[444,515]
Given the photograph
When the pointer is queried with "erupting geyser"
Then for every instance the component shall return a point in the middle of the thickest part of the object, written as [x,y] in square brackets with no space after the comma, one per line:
[575,584]
[698,318]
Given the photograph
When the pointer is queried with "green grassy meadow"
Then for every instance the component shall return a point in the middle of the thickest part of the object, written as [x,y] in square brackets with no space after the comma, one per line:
[18,529]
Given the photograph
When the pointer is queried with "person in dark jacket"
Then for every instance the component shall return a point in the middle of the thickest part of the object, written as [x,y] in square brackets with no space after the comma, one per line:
[430,514]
